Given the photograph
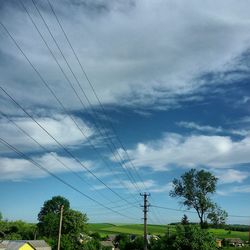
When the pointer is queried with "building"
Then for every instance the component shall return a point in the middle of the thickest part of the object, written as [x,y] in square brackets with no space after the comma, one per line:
[219,242]
[24,245]
[236,242]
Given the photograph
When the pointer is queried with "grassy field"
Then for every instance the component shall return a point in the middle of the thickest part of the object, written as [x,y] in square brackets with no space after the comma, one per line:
[221,233]
[105,229]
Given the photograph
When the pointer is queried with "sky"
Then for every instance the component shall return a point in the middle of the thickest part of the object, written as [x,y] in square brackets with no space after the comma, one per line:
[101,100]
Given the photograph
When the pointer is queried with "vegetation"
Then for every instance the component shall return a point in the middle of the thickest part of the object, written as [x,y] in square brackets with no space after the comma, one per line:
[74,223]
[195,188]
[17,230]
[167,234]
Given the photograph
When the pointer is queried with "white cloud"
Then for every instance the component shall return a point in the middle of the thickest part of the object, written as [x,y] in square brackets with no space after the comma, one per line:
[151,185]
[146,53]
[15,169]
[206,128]
[61,127]
[191,151]
[214,130]
[234,190]
[231,175]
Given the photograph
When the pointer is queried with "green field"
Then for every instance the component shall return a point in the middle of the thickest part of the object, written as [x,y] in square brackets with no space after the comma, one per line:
[221,233]
[106,228]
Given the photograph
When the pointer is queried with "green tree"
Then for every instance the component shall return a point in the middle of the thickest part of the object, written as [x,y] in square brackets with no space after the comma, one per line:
[74,223]
[17,230]
[193,238]
[92,245]
[49,216]
[53,206]
[217,216]
[96,236]
[194,188]
[184,220]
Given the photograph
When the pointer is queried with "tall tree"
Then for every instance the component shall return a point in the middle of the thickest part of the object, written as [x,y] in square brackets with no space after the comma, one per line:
[53,206]
[194,188]
[74,223]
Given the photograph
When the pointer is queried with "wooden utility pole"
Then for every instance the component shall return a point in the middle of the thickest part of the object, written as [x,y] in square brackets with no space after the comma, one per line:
[60,228]
[249,236]
[145,211]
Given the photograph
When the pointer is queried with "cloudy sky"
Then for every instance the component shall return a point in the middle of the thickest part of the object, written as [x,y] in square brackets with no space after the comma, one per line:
[118,97]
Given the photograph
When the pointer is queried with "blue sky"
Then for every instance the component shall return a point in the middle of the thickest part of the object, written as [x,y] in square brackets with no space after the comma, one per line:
[173,80]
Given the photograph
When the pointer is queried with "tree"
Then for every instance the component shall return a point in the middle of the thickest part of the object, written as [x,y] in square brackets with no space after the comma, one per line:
[53,206]
[186,237]
[193,238]
[49,215]
[74,223]
[195,188]
[184,220]
[217,216]
[92,245]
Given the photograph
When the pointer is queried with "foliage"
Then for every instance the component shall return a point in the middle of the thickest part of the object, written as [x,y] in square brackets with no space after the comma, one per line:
[92,245]
[184,220]
[137,244]
[125,243]
[217,216]
[194,188]
[240,228]
[53,206]
[165,242]
[187,237]
[17,230]
[96,236]
[193,238]
[74,223]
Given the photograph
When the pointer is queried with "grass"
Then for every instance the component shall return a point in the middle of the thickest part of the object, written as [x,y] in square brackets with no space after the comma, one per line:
[105,228]
[221,233]
[137,229]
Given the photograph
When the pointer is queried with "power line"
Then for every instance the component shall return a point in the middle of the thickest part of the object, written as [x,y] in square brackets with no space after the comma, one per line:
[56,158]
[63,147]
[23,155]
[188,211]
[68,80]
[95,94]
[59,102]
[174,209]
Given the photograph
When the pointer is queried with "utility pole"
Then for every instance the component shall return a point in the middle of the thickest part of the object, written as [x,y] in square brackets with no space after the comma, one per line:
[249,236]
[60,228]
[145,211]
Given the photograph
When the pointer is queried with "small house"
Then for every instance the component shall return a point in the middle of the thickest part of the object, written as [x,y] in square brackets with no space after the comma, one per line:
[24,245]
[39,245]
[235,242]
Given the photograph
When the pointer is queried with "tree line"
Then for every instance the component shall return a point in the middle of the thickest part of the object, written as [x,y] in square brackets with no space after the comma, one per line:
[194,189]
